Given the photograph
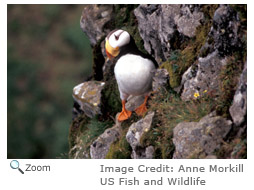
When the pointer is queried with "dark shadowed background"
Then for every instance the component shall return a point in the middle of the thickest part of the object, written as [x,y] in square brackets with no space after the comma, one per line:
[48,54]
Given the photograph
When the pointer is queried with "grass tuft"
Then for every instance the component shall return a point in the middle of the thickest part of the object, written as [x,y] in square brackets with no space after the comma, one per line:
[171,110]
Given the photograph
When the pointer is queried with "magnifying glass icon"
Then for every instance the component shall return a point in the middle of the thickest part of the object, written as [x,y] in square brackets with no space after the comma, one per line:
[15,165]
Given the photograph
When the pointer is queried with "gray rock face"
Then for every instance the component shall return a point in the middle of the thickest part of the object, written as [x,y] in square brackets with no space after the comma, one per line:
[188,21]
[160,24]
[134,135]
[224,34]
[238,110]
[222,40]
[225,30]
[100,147]
[88,96]
[200,139]
[203,78]
[149,151]
[93,21]
[160,79]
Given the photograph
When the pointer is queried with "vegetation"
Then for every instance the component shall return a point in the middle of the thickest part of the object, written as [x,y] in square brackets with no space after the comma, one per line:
[171,110]
[83,132]
[168,107]
[229,77]
[120,149]
[126,20]
[185,54]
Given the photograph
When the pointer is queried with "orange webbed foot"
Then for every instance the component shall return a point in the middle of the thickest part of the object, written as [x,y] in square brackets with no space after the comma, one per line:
[141,110]
[124,115]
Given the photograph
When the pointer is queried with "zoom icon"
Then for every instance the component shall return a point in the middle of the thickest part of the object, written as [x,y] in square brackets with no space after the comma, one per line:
[15,165]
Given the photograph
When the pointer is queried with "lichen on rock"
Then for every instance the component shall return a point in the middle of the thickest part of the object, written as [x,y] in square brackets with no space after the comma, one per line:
[225,31]
[100,147]
[200,139]
[204,79]
[134,135]
[160,80]
[188,21]
[88,96]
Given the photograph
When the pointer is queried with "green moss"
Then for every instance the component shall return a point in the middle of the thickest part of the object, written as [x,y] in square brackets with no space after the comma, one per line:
[229,77]
[120,149]
[172,67]
[93,129]
[122,14]
[111,98]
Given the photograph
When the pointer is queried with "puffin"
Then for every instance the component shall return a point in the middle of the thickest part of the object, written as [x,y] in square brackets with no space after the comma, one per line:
[134,70]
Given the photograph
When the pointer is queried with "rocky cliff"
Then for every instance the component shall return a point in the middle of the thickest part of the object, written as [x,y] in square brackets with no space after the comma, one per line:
[198,108]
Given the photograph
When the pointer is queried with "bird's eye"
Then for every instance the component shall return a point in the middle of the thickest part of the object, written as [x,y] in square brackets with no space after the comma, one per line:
[116,37]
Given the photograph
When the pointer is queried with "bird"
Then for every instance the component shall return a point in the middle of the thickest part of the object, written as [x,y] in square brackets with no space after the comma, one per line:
[133,69]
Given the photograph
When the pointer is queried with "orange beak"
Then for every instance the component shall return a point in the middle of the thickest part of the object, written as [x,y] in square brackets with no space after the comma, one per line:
[109,55]
[110,51]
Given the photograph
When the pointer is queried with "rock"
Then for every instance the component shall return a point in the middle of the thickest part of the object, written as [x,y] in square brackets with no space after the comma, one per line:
[225,30]
[156,27]
[224,35]
[238,109]
[133,102]
[100,147]
[76,110]
[200,139]
[203,77]
[94,20]
[188,21]
[160,79]
[211,157]
[134,135]
[223,39]
[88,96]
[161,25]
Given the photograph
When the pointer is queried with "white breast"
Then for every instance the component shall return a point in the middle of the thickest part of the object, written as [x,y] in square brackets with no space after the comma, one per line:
[134,75]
